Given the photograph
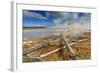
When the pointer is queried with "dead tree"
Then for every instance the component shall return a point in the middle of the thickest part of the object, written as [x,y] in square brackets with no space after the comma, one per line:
[68,47]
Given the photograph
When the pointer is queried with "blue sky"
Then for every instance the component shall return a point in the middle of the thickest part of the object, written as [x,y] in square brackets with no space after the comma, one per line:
[33,18]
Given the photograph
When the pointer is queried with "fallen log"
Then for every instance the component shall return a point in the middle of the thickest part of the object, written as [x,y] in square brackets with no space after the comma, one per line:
[41,56]
[72,54]
[33,48]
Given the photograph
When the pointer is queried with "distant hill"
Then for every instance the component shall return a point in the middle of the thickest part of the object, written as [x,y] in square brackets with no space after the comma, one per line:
[34,27]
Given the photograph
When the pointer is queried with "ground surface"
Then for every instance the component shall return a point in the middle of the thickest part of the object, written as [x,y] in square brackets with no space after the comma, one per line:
[51,48]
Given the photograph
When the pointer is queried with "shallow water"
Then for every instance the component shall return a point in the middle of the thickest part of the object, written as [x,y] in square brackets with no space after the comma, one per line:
[40,32]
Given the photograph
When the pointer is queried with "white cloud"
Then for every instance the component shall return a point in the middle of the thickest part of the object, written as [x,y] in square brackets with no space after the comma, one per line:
[62,18]
[33,14]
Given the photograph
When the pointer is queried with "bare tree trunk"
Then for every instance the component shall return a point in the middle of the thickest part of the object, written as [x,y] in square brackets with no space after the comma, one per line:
[68,47]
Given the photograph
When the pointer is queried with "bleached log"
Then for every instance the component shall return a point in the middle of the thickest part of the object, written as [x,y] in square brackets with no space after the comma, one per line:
[28,50]
[70,50]
[77,42]
[41,56]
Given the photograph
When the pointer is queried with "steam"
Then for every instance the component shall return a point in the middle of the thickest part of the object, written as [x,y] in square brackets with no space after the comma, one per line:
[74,30]
[73,23]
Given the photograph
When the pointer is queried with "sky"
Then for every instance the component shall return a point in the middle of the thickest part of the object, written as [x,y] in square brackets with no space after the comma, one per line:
[34,18]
